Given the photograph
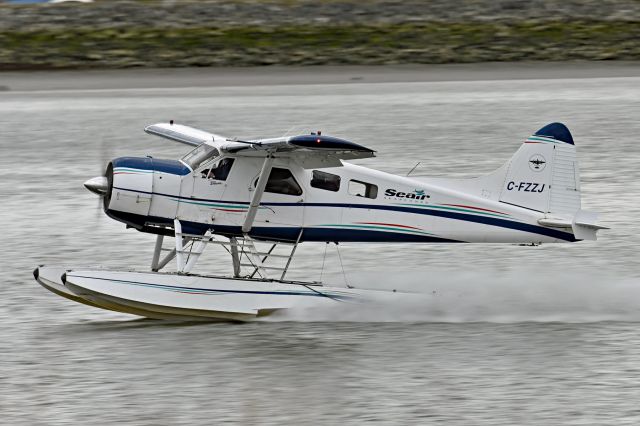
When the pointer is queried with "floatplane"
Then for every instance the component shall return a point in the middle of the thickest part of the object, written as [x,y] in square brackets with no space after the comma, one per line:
[256,197]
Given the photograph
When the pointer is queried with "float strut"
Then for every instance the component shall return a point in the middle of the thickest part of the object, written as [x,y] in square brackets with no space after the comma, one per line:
[156,253]
[235,257]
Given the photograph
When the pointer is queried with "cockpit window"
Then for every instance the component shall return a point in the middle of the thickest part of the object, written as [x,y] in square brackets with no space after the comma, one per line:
[219,170]
[199,155]
[281,181]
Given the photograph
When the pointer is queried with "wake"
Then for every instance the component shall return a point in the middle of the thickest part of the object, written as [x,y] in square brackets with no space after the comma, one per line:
[488,296]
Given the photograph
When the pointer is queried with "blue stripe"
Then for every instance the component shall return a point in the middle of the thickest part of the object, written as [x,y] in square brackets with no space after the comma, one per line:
[173,167]
[492,221]
[313,293]
[367,236]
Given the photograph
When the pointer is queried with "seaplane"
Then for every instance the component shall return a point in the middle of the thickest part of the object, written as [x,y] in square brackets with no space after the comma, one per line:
[259,199]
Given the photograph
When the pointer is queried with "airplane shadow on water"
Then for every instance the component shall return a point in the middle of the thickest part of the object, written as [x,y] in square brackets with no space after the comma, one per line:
[133,323]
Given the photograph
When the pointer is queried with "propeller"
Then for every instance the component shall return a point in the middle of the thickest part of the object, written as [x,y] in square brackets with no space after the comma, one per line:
[100,185]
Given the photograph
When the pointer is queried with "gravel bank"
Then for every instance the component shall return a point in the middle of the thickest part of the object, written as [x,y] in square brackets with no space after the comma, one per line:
[122,34]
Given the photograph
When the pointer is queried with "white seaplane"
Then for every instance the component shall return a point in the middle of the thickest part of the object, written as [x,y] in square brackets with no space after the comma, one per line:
[242,194]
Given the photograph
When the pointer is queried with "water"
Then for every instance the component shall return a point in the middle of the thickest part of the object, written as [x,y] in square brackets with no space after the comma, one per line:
[504,334]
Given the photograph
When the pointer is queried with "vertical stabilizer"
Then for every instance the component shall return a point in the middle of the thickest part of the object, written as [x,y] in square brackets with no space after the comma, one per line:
[543,174]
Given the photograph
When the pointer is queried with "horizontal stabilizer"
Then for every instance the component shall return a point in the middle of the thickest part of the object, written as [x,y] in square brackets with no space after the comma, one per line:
[584,224]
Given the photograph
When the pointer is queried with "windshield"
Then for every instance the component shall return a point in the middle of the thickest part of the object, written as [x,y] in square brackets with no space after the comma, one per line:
[199,155]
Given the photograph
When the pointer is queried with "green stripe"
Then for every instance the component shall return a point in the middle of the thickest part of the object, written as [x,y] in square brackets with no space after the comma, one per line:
[204,203]
[132,170]
[501,215]
[539,139]
[376,227]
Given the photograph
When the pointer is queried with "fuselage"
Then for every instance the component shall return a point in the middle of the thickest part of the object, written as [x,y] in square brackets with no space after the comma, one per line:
[348,203]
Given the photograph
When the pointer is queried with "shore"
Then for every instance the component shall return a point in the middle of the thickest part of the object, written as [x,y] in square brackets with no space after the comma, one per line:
[243,33]
[280,75]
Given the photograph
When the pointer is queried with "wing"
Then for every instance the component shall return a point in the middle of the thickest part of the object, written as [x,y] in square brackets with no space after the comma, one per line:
[311,151]
[183,134]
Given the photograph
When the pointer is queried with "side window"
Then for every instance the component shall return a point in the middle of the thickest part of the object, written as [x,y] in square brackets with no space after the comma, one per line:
[363,189]
[326,181]
[281,181]
[219,171]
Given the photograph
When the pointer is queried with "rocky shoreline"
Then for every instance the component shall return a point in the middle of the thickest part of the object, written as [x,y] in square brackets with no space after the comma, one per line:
[224,33]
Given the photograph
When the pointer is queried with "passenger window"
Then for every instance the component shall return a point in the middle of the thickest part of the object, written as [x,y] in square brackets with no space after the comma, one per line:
[362,189]
[281,181]
[219,171]
[326,181]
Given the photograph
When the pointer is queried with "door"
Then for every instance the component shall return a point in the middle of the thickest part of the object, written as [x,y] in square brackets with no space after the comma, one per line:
[202,191]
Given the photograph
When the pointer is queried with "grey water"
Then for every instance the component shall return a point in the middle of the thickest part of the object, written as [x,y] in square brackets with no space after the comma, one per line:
[507,335]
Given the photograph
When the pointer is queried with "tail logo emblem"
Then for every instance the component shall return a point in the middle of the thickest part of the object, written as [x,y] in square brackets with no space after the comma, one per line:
[537,163]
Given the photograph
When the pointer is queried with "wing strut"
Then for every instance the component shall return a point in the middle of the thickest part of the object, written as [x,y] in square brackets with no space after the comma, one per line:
[257,194]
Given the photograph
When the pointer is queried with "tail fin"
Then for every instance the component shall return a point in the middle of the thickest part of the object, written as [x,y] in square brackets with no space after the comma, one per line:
[543,174]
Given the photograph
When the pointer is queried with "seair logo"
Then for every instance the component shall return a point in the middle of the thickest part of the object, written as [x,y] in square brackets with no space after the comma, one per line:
[525,186]
[537,163]
[417,194]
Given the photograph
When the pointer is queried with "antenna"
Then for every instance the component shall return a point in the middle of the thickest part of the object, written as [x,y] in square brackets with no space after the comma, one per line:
[414,167]
[290,129]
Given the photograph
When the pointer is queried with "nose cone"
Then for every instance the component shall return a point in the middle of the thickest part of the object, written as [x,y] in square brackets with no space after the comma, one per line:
[98,185]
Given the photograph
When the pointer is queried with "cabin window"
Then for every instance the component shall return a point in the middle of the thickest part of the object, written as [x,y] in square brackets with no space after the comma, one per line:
[363,189]
[326,181]
[219,170]
[281,181]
